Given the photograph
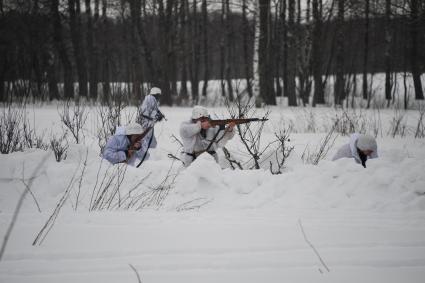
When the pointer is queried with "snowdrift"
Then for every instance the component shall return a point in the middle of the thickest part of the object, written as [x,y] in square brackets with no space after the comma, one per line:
[395,181]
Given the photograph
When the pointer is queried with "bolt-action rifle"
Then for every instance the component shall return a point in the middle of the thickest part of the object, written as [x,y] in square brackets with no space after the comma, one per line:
[222,123]
[237,121]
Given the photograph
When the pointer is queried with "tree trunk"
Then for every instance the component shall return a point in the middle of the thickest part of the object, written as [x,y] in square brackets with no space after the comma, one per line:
[93,49]
[152,73]
[414,49]
[3,69]
[52,81]
[277,40]
[222,49]
[76,37]
[339,90]
[183,51]
[304,57]
[205,47]
[318,97]
[284,48]
[246,33]
[173,54]
[264,59]
[229,49]
[136,64]
[195,53]
[68,81]
[163,70]
[366,51]
[387,54]
[292,54]
[256,47]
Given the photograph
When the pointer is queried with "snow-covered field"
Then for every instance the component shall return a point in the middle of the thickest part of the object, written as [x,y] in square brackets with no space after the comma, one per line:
[334,222]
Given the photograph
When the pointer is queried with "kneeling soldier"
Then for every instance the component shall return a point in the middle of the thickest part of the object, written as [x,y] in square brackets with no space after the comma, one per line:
[200,136]
[128,145]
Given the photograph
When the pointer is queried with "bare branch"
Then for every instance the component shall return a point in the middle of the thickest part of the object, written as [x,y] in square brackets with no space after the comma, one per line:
[311,245]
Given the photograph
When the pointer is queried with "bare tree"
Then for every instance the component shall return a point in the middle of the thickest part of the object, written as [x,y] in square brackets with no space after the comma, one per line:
[318,97]
[366,50]
[183,41]
[414,48]
[61,48]
[292,54]
[264,56]
[245,39]
[205,47]
[193,26]
[229,49]
[75,24]
[339,91]
[74,120]
[388,40]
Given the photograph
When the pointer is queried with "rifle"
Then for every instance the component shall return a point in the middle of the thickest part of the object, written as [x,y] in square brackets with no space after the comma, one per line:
[237,121]
[224,122]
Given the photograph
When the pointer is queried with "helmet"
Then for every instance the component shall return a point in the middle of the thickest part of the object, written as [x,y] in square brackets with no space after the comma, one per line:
[199,112]
[366,142]
[133,129]
[155,90]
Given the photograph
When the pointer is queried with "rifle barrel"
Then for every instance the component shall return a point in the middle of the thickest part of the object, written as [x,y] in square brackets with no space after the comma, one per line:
[237,121]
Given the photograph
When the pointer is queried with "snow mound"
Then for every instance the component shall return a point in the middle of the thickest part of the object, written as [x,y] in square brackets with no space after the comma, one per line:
[395,181]
[392,182]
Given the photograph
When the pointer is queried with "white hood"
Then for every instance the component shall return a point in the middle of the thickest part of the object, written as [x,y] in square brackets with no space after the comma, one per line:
[353,146]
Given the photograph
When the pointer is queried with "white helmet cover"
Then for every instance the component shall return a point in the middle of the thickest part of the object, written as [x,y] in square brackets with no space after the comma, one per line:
[155,90]
[133,129]
[366,142]
[199,112]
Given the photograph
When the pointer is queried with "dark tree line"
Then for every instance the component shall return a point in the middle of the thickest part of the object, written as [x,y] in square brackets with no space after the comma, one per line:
[68,49]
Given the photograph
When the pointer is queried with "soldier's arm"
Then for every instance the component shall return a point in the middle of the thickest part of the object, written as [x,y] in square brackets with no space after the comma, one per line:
[190,129]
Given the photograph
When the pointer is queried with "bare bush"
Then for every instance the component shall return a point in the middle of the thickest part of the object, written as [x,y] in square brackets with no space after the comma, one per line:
[347,122]
[376,123]
[19,206]
[31,138]
[47,227]
[80,180]
[106,192]
[11,121]
[320,152]
[156,196]
[231,160]
[420,126]
[398,125]
[74,119]
[283,150]
[59,146]
[110,119]
[249,134]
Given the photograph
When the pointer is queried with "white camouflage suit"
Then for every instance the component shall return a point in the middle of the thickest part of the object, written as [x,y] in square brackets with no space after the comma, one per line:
[148,114]
[194,141]
[349,150]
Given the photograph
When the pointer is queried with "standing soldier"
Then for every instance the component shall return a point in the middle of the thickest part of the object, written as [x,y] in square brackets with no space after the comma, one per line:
[200,136]
[149,114]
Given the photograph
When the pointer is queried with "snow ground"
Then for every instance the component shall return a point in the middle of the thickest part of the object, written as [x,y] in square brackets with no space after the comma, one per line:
[332,222]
